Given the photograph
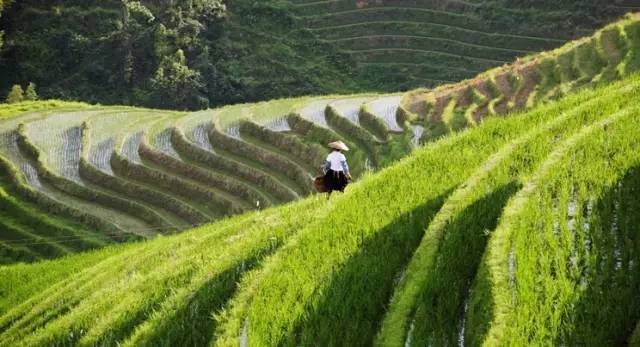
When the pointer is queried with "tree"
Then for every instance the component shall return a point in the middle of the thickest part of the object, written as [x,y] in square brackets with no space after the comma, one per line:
[30,94]
[176,85]
[15,95]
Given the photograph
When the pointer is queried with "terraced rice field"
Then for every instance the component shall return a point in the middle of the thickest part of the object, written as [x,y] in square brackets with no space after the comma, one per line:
[503,211]
[426,43]
[519,230]
[137,173]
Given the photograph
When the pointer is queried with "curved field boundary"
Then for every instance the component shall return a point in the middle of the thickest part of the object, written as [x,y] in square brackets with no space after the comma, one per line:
[454,21]
[313,133]
[538,78]
[425,29]
[276,165]
[40,247]
[206,202]
[411,75]
[373,123]
[423,51]
[268,184]
[349,108]
[513,259]
[355,134]
[144,219]
[315,112]
[456,235]
[344,5]
[95,175]
[127,162]
[208,261]
[427,43]
[385,108]
[372,237]
[420,64]
[417,56]
[307,156]
[53,206]
[234,196]
[48,229]
[68,294]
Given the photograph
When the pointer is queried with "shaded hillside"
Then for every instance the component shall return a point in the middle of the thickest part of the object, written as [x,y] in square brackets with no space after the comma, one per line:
[195,54]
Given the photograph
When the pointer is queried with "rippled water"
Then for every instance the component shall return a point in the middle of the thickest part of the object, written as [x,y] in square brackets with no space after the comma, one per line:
[100,155]
[279,125]
[387,108]
[163,143]
[200,136]
[69,161]
[130,147]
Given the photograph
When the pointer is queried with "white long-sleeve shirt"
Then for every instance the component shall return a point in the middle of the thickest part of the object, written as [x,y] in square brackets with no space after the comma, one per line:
[336,161]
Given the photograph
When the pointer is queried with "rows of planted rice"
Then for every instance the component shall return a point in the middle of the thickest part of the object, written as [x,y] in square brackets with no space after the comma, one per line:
[315,112]
[191,140]
[209,261]
[561,266]
[202,166]
[100,135]
[433,293]
[428,43]
[592,61]
[350,108]
[59,138]
[135,161]
[28,233]
[445,247]
[27,180]
[345,264]
[57,156]
[386,108]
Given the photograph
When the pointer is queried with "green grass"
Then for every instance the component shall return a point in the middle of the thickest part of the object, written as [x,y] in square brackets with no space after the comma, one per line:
[324,272]
[604,57]
[23,281]
[550,269]
[14,110]
[217,252]
[436,282]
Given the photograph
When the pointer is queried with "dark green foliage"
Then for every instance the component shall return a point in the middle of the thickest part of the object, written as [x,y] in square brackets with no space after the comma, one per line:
[15,95]
[30,93]
[193,54]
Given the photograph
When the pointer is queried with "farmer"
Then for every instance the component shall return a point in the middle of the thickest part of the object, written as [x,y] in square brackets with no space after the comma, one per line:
[336,170]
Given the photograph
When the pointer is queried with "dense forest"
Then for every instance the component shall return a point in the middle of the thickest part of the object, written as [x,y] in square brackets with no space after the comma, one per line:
[194,54]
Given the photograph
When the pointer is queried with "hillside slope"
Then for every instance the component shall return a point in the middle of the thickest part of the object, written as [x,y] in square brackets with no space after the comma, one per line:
[131,173]
[195,54]
[535,200]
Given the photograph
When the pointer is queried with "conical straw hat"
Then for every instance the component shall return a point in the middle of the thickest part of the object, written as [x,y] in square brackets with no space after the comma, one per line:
[339,145]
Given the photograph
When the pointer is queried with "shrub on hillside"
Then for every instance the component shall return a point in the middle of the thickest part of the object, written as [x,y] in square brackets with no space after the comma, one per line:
[15,95]
[30,94]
